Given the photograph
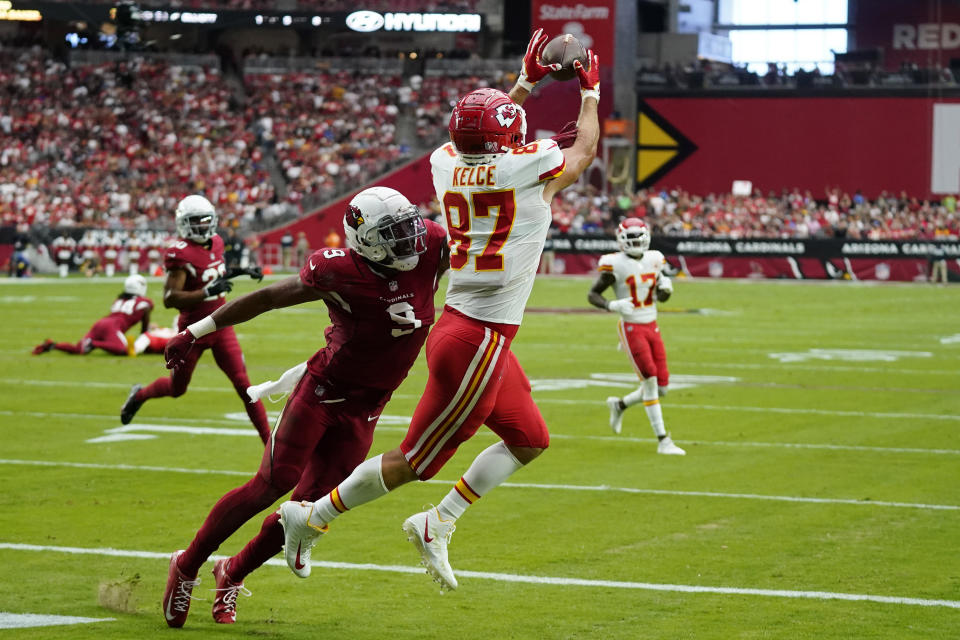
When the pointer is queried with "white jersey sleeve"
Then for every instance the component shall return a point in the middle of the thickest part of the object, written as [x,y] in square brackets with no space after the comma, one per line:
[497,222]
[636,279]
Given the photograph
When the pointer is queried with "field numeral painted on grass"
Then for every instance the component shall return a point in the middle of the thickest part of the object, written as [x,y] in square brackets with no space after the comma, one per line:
[848,355]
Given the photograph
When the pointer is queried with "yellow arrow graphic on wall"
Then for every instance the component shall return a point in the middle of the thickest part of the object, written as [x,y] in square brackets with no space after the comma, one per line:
[660,146]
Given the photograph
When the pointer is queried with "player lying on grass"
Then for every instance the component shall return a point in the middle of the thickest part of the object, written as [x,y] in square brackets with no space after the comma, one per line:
[636,275]
[495,190]
[197,284]
[379,292]
[109,333]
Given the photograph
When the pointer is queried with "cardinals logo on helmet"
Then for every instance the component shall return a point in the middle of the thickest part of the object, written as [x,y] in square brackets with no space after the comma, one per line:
[506,114]
[354,217]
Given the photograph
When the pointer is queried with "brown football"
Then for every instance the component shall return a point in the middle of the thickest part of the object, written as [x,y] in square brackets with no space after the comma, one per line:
[563,50]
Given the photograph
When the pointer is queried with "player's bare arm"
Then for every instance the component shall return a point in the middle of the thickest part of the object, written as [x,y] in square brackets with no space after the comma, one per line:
[603,282]
[176,297]
[584,149]
[286,293]
[145,323]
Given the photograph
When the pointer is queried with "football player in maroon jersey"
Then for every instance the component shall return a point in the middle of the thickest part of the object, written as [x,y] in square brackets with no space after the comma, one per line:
[379,292]
[109,333]
[197,282]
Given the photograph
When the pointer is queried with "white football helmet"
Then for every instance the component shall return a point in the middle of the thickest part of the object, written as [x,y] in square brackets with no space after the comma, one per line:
[135,285]
[196,219]
[633,237]
[382,226]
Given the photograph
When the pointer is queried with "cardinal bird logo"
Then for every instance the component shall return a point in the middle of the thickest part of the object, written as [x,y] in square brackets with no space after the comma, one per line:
[354,217]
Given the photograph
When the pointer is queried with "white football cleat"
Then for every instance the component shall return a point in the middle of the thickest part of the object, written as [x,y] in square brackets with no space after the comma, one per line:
[667,448]
[430,535]
[299,535]
[616,414]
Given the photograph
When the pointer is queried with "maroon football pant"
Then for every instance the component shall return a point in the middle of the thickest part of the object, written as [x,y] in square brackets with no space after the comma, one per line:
[318,441]
[228,356]
[105,334]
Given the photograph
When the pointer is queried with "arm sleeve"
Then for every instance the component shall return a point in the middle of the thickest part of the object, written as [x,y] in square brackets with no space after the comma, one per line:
[551,161]
[605,265]
[319,272]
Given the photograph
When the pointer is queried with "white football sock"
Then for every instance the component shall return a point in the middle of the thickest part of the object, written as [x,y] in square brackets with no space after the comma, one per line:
[141,343]
[364,485]
[492,467]
[634,397]
[651,403]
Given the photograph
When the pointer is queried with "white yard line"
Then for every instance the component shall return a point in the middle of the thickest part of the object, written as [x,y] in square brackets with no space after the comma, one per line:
[526,579]
[229,428]
[520,485]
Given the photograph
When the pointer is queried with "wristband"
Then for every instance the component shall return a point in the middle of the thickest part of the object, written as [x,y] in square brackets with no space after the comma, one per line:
[524,83]
[590,93]
[202,327]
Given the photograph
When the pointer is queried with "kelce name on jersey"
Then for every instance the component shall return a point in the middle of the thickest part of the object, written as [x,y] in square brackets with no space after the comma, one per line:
[474,176]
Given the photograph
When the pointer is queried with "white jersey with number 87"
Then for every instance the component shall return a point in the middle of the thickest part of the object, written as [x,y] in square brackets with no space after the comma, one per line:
[497,222]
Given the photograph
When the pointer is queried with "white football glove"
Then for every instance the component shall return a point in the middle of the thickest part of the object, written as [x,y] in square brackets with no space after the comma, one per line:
[623,305]
[665,284]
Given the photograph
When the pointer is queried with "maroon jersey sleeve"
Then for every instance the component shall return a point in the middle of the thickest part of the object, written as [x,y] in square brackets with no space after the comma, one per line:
[325,267]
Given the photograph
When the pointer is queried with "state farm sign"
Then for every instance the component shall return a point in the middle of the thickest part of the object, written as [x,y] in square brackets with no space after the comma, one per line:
[573,12]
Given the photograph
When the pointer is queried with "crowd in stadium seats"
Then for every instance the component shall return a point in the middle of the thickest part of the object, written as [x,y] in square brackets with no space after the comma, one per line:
[116,145]
[454,6]
[328,130]
[791,214]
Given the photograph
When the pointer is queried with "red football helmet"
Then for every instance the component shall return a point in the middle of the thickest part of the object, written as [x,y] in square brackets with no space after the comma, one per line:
[487,122]
[633,237]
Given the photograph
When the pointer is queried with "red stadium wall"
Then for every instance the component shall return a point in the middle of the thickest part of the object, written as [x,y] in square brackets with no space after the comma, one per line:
[412,180]
[872,144]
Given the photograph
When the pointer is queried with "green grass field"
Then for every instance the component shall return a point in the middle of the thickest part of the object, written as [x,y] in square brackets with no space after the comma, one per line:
[819,498]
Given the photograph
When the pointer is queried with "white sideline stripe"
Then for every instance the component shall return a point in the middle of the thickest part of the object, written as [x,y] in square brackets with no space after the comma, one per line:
[177,427]
[96,385]
[525,579]
[801,367]
[10,620]
[540,399]
[520,485]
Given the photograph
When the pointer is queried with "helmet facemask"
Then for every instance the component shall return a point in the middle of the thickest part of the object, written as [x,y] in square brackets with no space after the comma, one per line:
[633,240]
[394,240]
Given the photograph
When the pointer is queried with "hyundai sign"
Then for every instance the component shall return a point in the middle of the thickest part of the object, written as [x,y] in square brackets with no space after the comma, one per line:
[368,21]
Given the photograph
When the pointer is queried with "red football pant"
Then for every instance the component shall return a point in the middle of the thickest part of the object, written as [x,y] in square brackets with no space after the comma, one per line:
[228,356]
[474,379]
[645,346]
[315,446]
[104,334]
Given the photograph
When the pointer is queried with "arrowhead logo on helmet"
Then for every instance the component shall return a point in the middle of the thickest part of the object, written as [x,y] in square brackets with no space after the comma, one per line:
[506,114]
[486,123]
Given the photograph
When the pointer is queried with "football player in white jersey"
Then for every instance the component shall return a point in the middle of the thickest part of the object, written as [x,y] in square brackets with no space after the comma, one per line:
[495,190]
[636,275]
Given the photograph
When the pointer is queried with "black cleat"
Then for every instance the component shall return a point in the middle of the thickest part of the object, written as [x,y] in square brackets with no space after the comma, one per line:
[131,405]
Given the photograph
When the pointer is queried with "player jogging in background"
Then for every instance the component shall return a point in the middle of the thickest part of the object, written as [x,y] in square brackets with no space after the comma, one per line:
[496,191]
[109,333]
[636,275]
[379,292]
[197,282]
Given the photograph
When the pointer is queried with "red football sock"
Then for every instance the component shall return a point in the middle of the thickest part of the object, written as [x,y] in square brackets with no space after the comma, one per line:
[266,544]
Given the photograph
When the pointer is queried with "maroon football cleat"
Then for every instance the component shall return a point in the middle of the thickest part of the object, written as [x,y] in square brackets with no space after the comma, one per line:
[177,595]
[225,602]
[43,347]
